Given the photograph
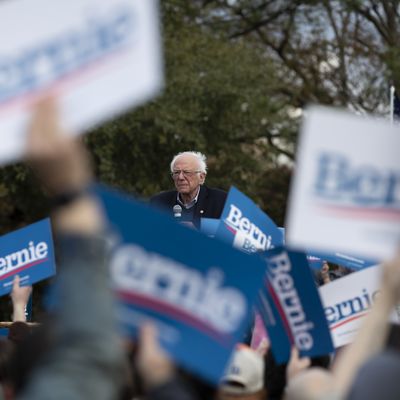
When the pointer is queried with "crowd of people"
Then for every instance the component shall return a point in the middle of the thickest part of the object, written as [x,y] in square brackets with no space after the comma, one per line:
[77,353]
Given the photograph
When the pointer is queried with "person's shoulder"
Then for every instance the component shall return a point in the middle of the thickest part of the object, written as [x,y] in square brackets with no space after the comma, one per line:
[216,192]
[162,196]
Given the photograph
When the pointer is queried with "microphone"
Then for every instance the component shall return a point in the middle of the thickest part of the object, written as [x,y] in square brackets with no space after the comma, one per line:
[177,209]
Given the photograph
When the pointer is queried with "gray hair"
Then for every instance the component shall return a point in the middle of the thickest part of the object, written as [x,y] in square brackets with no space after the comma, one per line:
[201,158]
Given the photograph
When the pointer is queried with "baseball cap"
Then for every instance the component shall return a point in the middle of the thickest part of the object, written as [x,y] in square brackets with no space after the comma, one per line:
[245,372]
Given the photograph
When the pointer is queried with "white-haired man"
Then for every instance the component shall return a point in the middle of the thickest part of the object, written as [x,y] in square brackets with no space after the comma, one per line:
[191,200]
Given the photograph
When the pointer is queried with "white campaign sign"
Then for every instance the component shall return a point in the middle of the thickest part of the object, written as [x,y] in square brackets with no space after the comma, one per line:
[345,194]
[348,300]
[99,57]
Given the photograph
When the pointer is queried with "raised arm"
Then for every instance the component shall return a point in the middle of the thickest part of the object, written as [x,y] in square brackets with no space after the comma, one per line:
[86,362]
[373,332]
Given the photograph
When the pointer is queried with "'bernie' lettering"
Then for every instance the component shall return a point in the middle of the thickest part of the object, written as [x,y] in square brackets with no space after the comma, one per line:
[338,180]
[164,279]
[64,54]
[23,257]
[282,282]
[254,238]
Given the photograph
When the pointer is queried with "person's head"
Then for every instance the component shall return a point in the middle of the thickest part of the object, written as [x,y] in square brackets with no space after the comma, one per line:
[188,170]
[18,331]
[244,377]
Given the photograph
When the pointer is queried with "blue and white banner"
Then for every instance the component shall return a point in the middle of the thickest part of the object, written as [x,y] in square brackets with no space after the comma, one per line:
[98,57]
[245,226]
[348,300]
[198,291]
[345,260]
[291,308]
[27,252]
[345,194]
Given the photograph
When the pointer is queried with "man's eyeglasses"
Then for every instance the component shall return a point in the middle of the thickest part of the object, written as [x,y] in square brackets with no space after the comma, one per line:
[186,174]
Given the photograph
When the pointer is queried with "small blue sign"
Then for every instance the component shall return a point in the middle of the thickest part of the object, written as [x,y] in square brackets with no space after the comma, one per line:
[346,260]
[291,307]
[316,259]
[198,291]
[27,252]
[209,226]
[245,226]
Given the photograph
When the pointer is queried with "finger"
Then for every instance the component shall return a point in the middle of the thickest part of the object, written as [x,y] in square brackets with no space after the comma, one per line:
[294,354]
[305,362]
[148,336]
[16,282]
[43,126]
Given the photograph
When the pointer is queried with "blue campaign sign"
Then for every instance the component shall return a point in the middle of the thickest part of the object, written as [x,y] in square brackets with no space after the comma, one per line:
[291,307]
[346,260]
[316,259]
[27,252]
[245,226]
[209,226]
[315,262]
[198,291]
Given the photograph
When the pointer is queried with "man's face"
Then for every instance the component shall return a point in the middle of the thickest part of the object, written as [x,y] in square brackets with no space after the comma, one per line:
[187,183]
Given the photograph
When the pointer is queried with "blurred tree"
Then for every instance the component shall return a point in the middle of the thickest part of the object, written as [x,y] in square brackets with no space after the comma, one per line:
[334,52]
[238,75]
[216,100]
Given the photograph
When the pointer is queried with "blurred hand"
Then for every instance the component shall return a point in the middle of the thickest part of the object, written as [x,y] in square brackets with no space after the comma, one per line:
[263,347]
[152,362]
[296,364]
[20,297]
[63,166]
[59,160]
[391,278]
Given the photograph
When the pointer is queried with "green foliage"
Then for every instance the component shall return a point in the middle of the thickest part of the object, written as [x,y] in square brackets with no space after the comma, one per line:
[237,74]
[215,100]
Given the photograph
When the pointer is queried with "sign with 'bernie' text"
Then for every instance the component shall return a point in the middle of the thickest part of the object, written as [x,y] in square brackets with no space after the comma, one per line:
[198,291]
[291,308]
[27,252]
[245,226]
[98,57]
[345,195]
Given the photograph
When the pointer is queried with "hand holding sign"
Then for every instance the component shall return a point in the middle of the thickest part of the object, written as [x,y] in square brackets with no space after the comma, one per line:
[60,162]
[63,166]
[20,297]
[154,365]
[296,364]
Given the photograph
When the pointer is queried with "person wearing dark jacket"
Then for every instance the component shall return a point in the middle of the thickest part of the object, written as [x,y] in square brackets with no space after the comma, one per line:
[191,200]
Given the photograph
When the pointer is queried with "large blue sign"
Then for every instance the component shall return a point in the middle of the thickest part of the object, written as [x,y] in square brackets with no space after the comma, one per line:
[198,291]
[291,307]
[245,226]
[27,252]
[316,259]
[209,226]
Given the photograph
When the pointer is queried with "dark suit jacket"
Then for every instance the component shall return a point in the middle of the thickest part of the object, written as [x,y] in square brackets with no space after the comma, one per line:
[210,203]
